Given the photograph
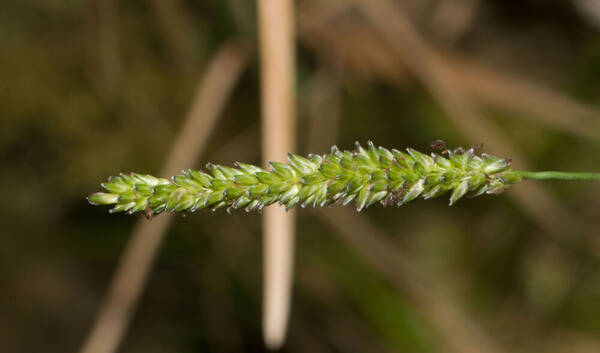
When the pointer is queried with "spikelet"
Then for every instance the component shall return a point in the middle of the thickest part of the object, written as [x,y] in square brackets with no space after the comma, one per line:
[364,176]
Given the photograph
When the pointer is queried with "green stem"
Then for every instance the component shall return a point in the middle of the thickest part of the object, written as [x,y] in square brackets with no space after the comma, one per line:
[558,175]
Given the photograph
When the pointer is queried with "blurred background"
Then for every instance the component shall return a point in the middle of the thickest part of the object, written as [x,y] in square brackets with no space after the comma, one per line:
[92,88]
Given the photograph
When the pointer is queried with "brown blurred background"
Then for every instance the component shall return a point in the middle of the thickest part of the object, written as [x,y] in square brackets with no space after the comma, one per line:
[92,88]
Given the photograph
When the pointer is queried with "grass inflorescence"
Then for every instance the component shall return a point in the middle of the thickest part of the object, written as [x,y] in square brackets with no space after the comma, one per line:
[364,176]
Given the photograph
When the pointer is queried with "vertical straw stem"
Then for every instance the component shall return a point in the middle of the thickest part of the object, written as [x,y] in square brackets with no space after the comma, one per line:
[276,34]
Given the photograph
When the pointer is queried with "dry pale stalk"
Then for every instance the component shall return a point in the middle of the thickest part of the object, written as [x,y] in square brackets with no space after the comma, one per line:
[319,27]
[128,282]
[441,81]
[276,35]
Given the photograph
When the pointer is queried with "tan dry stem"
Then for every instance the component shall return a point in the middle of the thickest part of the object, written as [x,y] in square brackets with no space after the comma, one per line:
[443,84]
[132,272]
[277,63]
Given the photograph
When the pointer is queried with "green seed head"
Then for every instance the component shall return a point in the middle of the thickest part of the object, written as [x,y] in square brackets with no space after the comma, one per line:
[364,176]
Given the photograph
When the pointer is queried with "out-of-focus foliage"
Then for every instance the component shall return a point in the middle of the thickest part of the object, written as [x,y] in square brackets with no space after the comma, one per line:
[88,88]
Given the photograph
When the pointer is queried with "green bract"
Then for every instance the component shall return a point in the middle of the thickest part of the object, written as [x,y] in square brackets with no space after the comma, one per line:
[363,176]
